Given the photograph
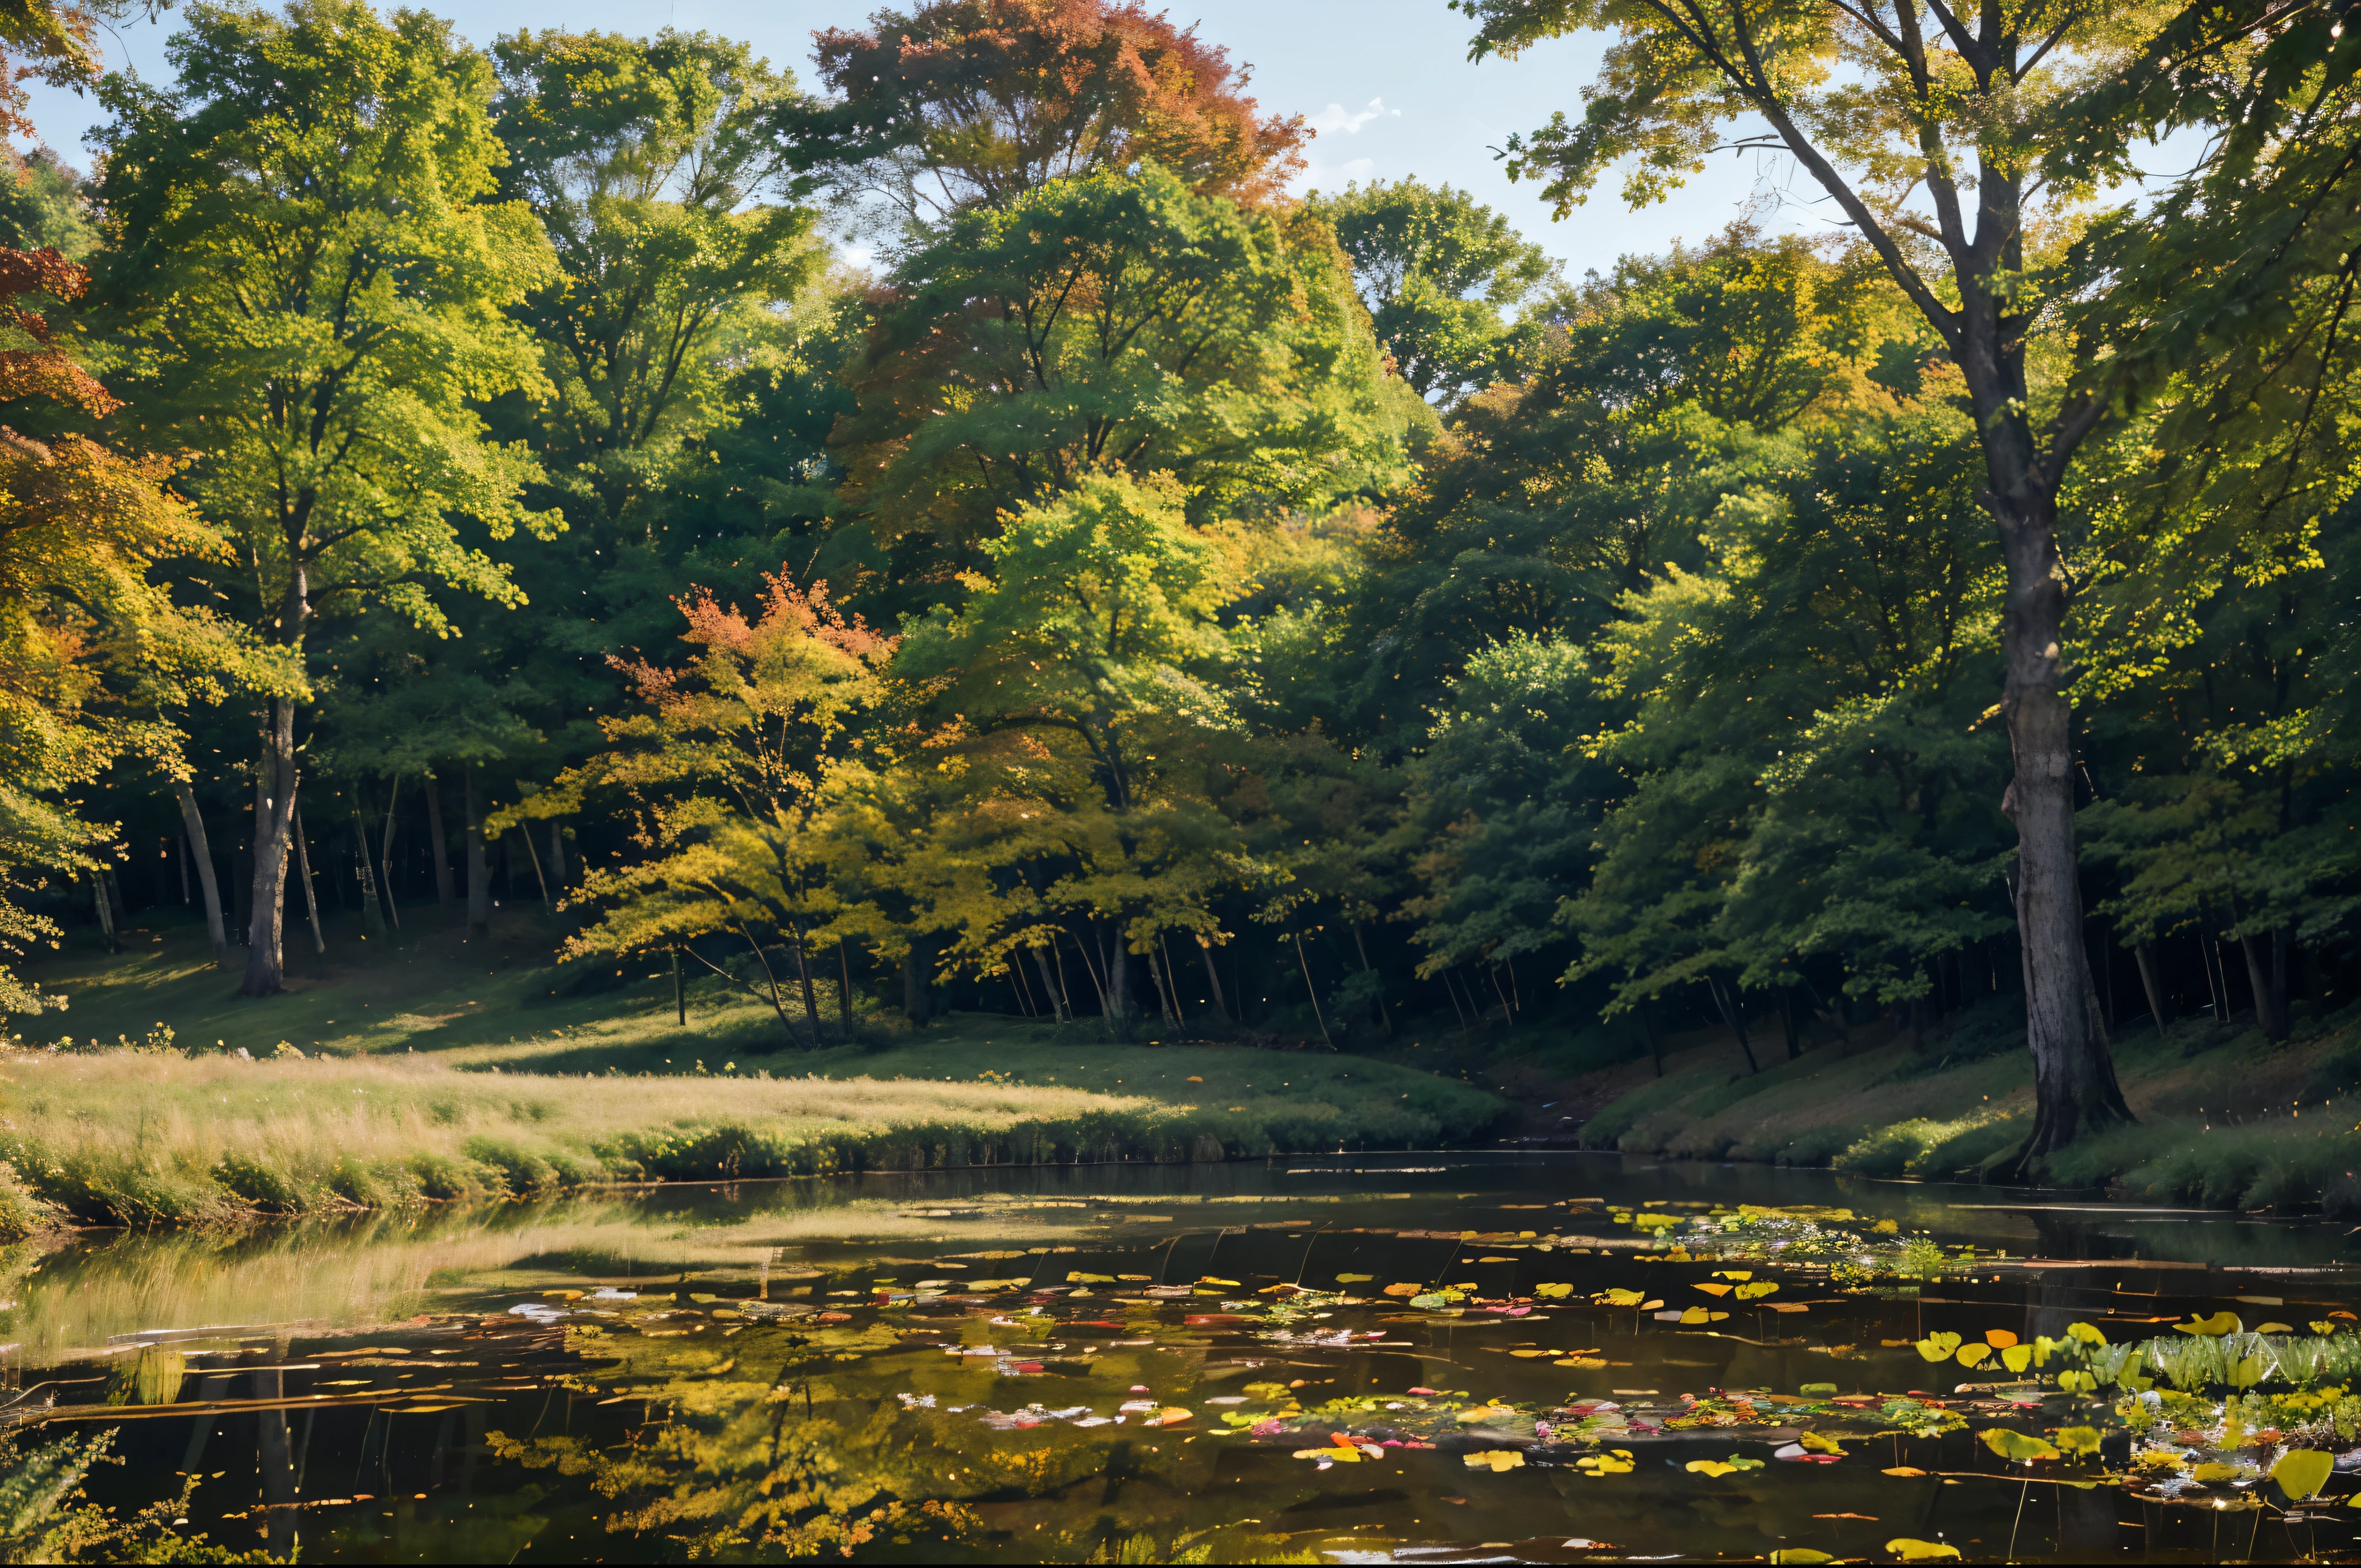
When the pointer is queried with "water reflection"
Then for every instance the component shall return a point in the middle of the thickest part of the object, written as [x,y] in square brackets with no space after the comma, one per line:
[1479,1357]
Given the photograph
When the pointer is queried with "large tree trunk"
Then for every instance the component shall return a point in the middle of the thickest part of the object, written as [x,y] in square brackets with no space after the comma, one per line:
[2267,972]
[439,842]
[2073,1072]
[194,824]
[479,869]
[274,817]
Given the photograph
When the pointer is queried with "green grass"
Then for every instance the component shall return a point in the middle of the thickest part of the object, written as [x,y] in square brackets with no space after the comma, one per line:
[2224,1117]
[412,1074]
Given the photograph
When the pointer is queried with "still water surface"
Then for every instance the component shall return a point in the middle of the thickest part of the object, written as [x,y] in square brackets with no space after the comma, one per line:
[1455,1358]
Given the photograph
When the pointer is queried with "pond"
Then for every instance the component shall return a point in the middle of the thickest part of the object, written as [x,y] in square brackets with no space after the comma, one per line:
[1453,1357]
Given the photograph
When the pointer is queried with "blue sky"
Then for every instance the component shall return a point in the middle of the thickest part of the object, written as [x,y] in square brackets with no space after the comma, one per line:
[1388,82]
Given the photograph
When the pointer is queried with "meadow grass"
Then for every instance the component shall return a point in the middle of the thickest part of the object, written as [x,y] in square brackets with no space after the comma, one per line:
[419,1077]
[2224,1117]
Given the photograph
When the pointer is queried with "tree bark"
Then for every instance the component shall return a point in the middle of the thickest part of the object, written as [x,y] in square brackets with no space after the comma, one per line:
[193,824]
[547,904]
[2073,1070]
[843,980]
[479,869]
[274,817]
[1723,1000]
[311,891]
[1313,992]
[443,895]
[1221,1004]
[804,982]
[2159,1005]
[2267,972]
[106,914]
[917,995]
[372,913]
[1059,1008]
[384,853]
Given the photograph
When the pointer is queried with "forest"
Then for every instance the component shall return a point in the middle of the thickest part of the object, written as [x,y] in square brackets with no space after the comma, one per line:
[441,475]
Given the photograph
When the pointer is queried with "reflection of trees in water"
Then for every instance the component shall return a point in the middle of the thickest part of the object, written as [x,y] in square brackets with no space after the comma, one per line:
[784,1443]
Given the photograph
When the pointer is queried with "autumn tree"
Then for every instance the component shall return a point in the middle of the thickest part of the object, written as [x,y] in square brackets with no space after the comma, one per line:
[313,285]
[731,765]
[965,103]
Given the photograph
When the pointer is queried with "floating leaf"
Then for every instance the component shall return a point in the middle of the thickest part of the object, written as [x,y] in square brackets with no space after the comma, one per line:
[1495,1460]
[1529,1354]
[1405,1289]
[2214,1327]
[2275,1328]
[1650,1306]
[1973,1354]
[1803,1555]
[2302,1472]
[1904,1470]
[1759,1289]
[2016,1357]
[2078,1439]
[1617,1462]
[2213,1475]
[1355,1278]
[1553,1292]
[1592,1361]
[1911,1551]
[1267,1390]
[1816,1442]
[1341,1454]
[1434,1298]
[2017,1447]
[1710,1467]
[1700,1315]
[1808,1389]
[1077,1278]
[1482,1414]
[1209,1279]
[2090,1335]
[1999,1338]
[1620,1298]
[1738,1274]
[1938,1347]
[1713,1289]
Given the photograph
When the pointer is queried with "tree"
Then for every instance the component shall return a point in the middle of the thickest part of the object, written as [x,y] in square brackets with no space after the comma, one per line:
[1081,677]
[650,163]
[963,104]
[1440,273]
[92,648]
[731,767]
[1114,321]
[1992,113]
[313,283]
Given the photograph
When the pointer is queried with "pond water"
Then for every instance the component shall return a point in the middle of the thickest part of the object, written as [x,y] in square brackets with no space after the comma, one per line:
[1455,1358]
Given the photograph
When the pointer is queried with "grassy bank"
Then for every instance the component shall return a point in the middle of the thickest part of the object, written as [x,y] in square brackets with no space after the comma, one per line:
[437,1070]
[2226,1117]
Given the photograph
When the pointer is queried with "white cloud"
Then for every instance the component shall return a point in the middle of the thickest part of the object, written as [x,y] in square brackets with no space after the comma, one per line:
[1337,117]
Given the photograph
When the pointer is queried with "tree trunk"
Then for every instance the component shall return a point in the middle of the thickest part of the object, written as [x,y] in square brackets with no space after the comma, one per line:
[679,991]
[1221,1004]
[106,914]
[193,824]
[114,900]
[2267,972]
[372,913]
[1167,989]
[525,830]
[441,845]
[2159,1005]
[1059,1007]
[843,980]
[479,867]
[917,995]
[1313,992]
[804,982]
[1723,1000]
[2073,1071]
[385,854]
[1384,1017]
[274,816]
[311,891]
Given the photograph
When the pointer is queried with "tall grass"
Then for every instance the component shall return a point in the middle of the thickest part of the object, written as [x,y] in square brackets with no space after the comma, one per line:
[141,1138]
